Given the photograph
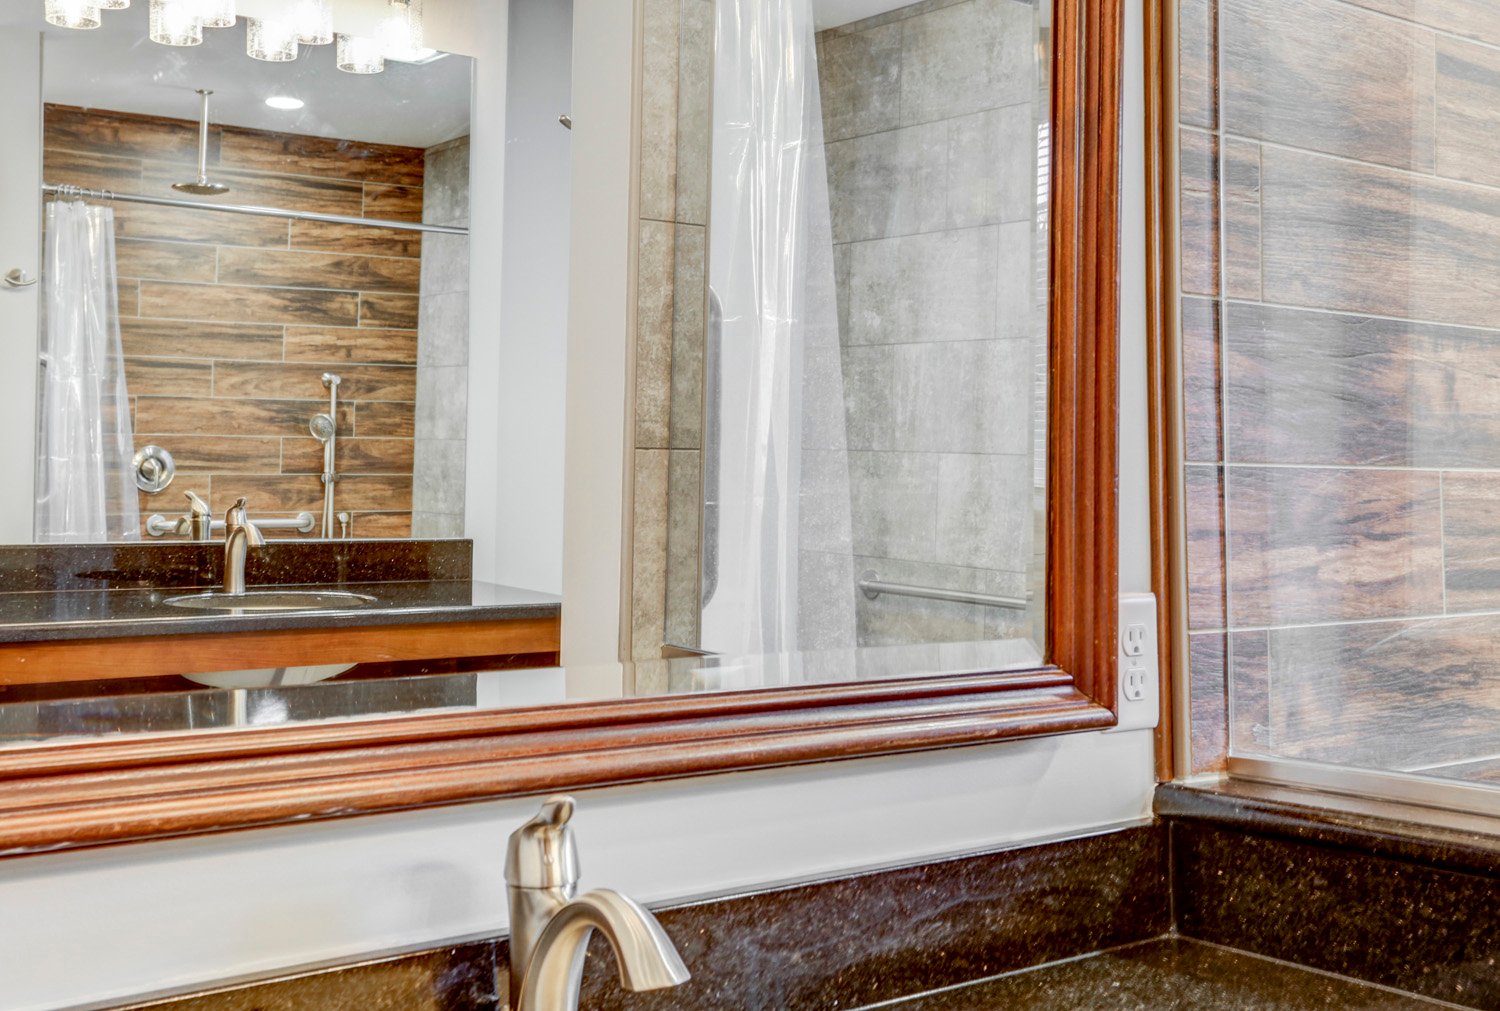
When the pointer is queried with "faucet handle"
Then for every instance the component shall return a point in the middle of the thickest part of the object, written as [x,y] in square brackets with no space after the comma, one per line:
[541,853]
[196,505]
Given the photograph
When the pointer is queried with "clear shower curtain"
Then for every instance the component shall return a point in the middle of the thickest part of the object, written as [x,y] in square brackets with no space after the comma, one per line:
[784,558]
[84,487]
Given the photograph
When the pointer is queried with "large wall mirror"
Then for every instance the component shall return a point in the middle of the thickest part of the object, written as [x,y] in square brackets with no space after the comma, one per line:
[840,337]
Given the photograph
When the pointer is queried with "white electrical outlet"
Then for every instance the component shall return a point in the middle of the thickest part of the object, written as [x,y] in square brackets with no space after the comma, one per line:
[1139,676]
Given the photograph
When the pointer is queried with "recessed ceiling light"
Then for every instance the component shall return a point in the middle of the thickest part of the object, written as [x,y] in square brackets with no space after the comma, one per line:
[284,102]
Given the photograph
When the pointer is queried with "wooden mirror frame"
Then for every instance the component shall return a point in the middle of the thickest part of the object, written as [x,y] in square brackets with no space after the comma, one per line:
[112,791]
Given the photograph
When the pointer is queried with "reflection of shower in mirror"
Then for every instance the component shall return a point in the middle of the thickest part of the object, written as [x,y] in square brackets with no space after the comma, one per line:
[202,186]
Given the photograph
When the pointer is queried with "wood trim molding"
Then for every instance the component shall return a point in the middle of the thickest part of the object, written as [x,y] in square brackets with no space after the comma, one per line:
[1083,563]
[61,660]
[1164,387]
[109,792]
[104,792]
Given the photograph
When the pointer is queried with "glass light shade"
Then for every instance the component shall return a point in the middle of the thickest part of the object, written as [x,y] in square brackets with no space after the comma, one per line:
[359,55]
[216,13]
[113,5]
[72,14]
[401,33]
[175,23]
[272,41]
[314,22]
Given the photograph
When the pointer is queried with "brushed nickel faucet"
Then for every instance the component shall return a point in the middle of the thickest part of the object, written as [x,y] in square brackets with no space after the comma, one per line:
[549,927]
[240,535]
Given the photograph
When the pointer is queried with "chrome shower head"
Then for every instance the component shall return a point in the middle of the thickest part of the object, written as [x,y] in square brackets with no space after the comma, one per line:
[322,427]
[202,186]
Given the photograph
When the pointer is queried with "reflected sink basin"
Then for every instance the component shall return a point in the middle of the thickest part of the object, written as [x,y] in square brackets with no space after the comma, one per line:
[272,600]
[270,677]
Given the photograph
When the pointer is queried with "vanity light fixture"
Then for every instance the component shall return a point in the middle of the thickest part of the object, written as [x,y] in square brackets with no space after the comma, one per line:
[175,23]
[72,14]
[216,13]
[286,102]
[402,36]
[314,22]
[358,55]
[271,40]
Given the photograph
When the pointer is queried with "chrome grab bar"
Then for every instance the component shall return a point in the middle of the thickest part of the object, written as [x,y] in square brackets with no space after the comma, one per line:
[158,525]
[873,586]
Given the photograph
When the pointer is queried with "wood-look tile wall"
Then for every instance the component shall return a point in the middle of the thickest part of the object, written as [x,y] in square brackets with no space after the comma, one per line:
[1341,354]
[229,321]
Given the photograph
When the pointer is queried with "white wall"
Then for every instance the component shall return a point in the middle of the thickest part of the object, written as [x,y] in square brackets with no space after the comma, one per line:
[78,927]
[518,312]
[20,246]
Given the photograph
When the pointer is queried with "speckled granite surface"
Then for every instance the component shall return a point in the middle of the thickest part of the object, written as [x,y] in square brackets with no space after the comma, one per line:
[1286,881]
[1171,974]
[99,591]
[1426,835]
[459,978]
[857,940]
[104,614]
[1404,924]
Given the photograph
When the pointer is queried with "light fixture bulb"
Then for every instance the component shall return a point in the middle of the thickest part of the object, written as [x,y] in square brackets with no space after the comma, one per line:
[313,20]
[358,55]
[72,14]
[274,41]
[216,13]
[285,102]
[401,31]
[175,23]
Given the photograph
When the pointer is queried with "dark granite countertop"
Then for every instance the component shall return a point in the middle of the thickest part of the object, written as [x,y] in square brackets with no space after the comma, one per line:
[118,613]
[1170,973]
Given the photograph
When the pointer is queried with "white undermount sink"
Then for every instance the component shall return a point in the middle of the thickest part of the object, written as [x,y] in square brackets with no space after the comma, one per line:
[272,600]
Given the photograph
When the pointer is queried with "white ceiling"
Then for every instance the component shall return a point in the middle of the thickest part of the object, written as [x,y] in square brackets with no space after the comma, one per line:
[831,13]
[115,66]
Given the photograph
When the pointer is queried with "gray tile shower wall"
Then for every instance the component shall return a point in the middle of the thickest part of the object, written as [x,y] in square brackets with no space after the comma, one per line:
[443,358]
[930,118]
[676,132]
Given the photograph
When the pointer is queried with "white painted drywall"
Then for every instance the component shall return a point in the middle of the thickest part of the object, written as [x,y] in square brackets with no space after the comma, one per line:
[522,492]
[598,334]
[87,926]
[20,247]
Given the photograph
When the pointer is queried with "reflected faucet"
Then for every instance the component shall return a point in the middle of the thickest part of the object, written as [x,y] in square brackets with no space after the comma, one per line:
[549,927]
[200,518]
[240,535]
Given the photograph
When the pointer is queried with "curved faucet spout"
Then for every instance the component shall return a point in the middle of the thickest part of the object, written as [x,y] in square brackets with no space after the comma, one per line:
[646,956]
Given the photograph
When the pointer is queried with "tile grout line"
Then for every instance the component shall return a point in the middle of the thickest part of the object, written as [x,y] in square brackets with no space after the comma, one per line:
[1443,539]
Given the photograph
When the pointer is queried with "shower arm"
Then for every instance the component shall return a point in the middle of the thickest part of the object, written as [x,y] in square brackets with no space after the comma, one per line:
[203,138]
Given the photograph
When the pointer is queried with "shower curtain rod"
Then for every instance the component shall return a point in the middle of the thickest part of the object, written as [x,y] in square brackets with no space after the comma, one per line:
[64,190]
